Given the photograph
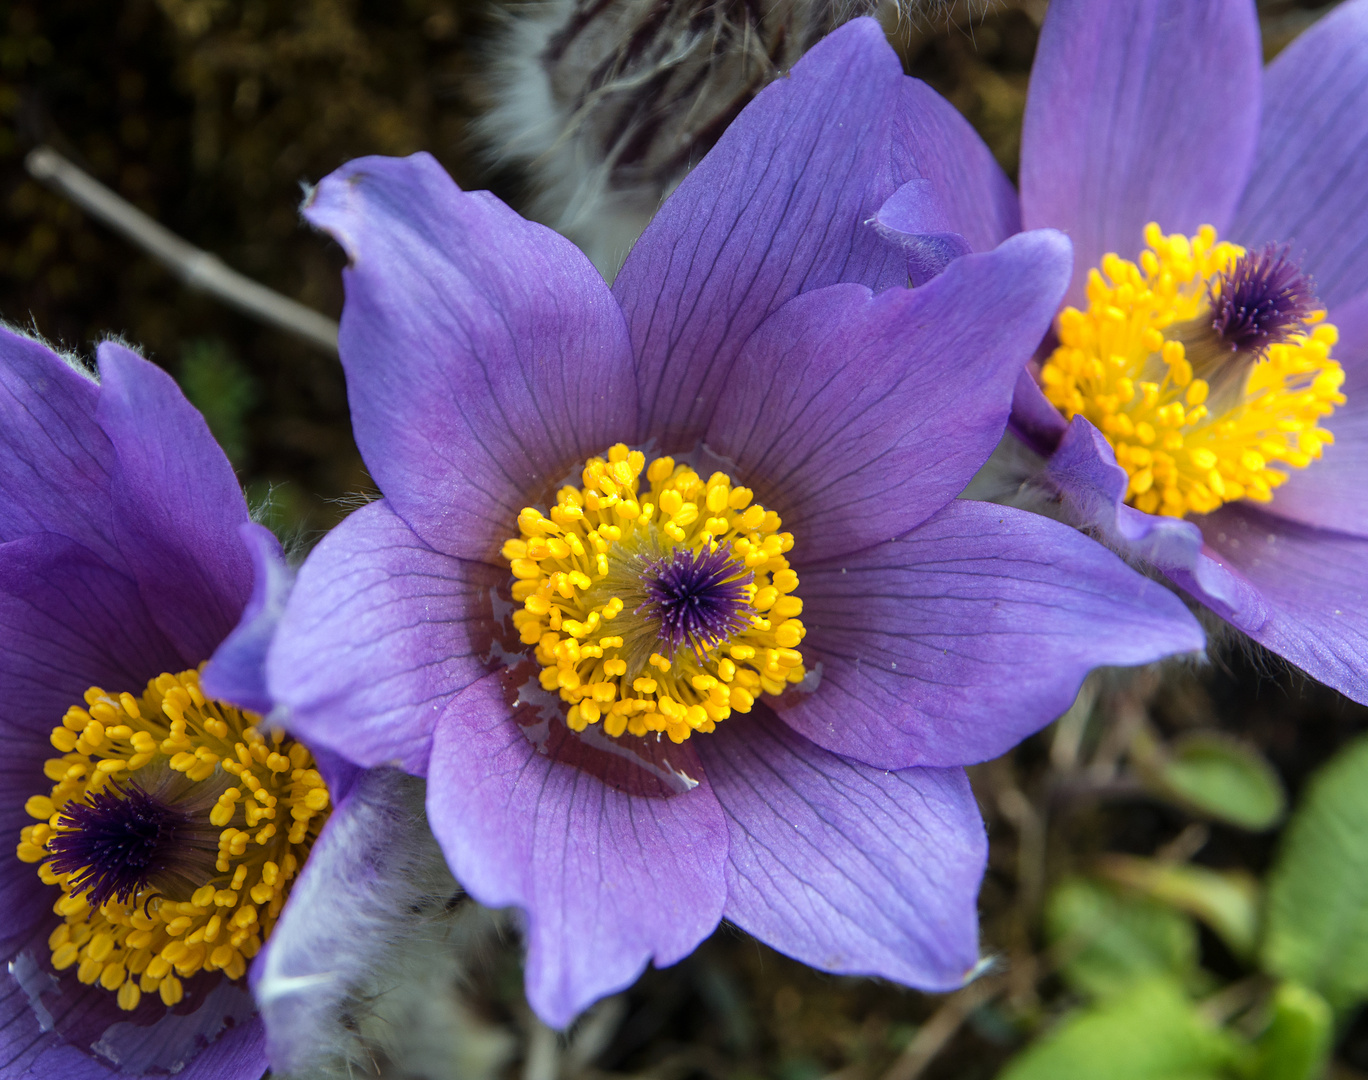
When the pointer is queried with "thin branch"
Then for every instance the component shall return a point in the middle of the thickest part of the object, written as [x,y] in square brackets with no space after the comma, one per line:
[543,1060]
[197,268]
[932,1036]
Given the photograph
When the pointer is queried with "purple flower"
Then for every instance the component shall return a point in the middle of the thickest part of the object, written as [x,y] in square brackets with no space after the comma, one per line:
[127,559]
[1195,438]
[627,730]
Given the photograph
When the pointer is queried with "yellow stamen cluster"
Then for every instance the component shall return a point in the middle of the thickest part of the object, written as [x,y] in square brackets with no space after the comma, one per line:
[577,576]
[271,804]
[1186,448]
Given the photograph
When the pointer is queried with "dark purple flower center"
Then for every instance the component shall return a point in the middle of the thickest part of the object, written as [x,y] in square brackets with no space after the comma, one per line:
[115,842]
[696,598]
[1262,300]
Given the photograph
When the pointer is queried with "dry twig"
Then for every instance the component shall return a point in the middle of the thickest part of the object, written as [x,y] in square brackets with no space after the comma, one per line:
[197,268]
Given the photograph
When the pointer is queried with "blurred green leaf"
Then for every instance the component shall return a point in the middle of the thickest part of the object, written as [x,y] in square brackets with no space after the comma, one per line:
[1107,941]
[1151,1032]
[1300,1035]
[1228,902]
[222,389]
[1316,923]
[1220,777]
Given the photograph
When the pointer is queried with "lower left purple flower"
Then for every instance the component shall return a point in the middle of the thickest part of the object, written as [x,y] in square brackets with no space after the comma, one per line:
[156,825]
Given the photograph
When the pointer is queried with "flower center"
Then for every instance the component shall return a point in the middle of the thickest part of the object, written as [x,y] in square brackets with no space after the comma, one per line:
[1207,368]
[696,598]
[115,842]
[140,834]
[661,610]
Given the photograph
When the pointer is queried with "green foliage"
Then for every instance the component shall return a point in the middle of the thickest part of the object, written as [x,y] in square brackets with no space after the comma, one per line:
[1317,915]
[1151,1032]
[1106,941]
[223,390]
[1228,902]
[1297,1041]
[1221,778]
[1131,944]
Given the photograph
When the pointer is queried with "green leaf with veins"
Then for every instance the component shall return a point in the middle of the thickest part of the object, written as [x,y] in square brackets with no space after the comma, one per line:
[1316,922]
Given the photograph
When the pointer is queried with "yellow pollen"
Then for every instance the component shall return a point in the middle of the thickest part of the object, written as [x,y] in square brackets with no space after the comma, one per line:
[1188,445]
[577,574]
[270,806]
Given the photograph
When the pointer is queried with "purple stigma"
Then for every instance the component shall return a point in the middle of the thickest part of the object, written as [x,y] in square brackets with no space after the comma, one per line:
[696,597]
[1261,301]
[116,841]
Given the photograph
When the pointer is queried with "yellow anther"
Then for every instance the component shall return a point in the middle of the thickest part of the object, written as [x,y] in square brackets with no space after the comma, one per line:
[1223,438]
[171,991]
[132,946]
[129,996]
[586,573]
[63,739]
[65,955]
[112,977]
[101,945]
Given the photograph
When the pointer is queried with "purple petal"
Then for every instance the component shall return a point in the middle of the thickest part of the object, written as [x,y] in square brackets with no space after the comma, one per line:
[68,622]
[1328,493]
[776,208]
[26,901]
[372,865]
[177,505]
[212,1033]
[1091,487]
[847,868]
[914,218]
[953,643]
[931,139]
[237,671]
[1309,186]
[609,881]
[1034,420]
[1138,111]
[237,1054]
[1295,589]
[380,633]
[55,462]
[28,1052]
[1314,584]
[858,416]
[485,356]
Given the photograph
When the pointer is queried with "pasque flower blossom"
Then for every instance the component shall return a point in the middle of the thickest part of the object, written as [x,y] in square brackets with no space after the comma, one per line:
[1205,403]
[154,828]
[669,595]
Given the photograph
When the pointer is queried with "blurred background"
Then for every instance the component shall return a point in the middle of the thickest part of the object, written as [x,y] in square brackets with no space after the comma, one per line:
[1133,841]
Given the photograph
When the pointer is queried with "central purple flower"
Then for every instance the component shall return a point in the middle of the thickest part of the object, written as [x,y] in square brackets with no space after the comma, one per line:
[808,412]
[697,598]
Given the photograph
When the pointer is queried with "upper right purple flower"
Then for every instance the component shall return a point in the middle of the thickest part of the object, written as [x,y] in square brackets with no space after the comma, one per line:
[1205,389]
